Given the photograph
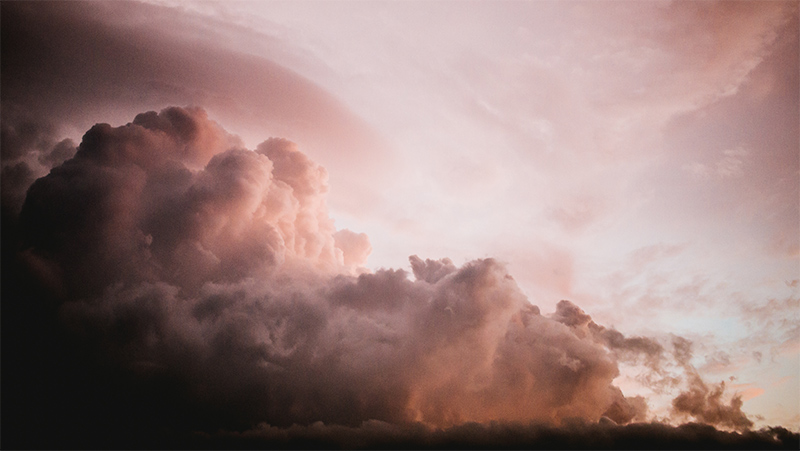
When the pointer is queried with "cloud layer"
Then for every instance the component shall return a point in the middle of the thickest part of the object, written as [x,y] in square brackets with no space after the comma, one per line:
[171,243]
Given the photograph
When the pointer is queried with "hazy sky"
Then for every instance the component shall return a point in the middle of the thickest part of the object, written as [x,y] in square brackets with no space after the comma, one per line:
[639,159]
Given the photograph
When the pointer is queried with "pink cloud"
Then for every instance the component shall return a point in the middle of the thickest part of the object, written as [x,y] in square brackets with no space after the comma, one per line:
[640,159]
[184,255]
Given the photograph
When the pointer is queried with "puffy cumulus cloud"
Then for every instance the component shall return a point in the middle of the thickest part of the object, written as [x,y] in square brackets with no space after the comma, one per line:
[431,270]
[171,197]
[355,247]
[126,57]
[192,266]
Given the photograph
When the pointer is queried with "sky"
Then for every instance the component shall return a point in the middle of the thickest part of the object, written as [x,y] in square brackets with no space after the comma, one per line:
[384,216]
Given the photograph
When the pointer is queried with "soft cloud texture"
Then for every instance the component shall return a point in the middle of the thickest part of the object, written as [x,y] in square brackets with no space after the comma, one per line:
[170,243]
[638,159]
[119,58]
[172,197]
[178,255]
[703,402]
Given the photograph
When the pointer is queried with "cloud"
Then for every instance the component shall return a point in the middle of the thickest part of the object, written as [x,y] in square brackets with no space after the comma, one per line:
[702,402]
[705,404]
[180,259]
[29,148]
[355,247]
[624,348]
[165,284]
[730,165]
[131,56]
[182,253]
[431,271]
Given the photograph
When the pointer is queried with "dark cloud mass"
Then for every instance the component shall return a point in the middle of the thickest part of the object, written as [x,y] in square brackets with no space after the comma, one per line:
[169,242]
[173,288]
[29,148]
